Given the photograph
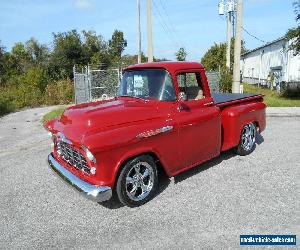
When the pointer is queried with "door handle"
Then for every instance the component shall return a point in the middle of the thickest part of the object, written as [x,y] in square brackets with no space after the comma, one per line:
[180,108]
[208,103]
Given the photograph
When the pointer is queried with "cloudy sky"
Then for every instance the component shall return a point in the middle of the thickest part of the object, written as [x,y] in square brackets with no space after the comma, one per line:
[193,24]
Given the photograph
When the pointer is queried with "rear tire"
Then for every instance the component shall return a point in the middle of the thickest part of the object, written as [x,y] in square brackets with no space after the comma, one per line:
[138,181]
[247,140]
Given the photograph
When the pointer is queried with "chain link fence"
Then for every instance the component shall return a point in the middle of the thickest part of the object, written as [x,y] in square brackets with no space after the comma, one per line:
[81,86]
[95,84]
[214,78]
[104,83]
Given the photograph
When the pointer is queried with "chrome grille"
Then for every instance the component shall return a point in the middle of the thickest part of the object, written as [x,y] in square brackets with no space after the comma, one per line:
[72,156]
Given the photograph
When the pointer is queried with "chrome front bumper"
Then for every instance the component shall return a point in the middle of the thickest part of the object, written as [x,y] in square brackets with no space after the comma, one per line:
[92,192]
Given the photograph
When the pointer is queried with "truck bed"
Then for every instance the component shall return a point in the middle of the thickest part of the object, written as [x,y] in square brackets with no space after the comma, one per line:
[225,99]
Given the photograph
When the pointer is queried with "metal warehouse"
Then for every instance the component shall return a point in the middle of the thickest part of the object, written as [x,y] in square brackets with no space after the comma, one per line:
[271,64]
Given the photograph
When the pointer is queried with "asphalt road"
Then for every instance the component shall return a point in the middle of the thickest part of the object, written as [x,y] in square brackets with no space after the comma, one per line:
[207,207]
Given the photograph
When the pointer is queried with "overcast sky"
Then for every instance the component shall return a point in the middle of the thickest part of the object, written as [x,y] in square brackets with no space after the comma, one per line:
[193,24]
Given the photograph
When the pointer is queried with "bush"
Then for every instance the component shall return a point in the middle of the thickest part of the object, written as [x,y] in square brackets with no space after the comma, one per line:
[59,92]
[27,96]
[7,96]
[226,80]
[20,93]
[291,89]
[37,78]
[15,97]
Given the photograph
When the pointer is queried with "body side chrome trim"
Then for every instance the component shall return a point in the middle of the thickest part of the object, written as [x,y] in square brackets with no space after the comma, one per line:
[92,192]
[149,133]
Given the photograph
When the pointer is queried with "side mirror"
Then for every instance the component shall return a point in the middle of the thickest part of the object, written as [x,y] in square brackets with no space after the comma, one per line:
[182,97]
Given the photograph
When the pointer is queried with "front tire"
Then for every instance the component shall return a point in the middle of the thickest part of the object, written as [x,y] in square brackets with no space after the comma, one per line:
[247,140]
[138,181]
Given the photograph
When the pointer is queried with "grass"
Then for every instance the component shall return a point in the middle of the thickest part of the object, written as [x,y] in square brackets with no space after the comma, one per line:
[272,98]
[56,113]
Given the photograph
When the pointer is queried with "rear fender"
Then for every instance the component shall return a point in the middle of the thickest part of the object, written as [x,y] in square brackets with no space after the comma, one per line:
[234,118]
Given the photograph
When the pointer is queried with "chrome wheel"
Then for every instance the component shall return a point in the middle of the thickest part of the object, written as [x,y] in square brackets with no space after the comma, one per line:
[248,137]
[139,181]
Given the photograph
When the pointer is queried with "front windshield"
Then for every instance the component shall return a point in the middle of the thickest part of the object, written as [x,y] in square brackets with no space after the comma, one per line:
[147,84]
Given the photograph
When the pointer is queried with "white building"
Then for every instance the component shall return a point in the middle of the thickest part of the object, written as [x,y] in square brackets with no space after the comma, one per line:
[271,64]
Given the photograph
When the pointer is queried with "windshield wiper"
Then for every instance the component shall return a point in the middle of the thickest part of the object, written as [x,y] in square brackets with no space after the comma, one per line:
[130,96]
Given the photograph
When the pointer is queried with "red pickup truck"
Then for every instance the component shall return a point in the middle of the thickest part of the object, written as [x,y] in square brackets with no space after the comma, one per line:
[163,117]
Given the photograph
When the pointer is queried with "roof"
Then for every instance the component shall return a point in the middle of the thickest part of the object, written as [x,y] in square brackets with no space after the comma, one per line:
[265,45]
[169,66]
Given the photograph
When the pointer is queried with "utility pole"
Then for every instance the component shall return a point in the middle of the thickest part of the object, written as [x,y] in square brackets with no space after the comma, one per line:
[237,48]
[229,6]
[149,31]
[139,32]
[230,10]
[229,25]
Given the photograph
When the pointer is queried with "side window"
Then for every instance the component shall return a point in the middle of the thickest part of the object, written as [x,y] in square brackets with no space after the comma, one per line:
[190,84]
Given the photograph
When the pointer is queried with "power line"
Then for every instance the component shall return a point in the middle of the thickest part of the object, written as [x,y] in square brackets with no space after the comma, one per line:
[164,25]
[248,33]
[165,30]
[253,35]
[170,22]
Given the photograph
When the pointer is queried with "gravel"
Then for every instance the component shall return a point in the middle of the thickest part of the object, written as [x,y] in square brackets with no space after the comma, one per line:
[207,207]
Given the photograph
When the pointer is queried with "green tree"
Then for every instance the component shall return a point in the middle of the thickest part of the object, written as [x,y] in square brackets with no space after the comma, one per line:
[215,58]
[117,45]
[2,63]
[294,33]
[20,58]
[181,54]
[39,53]
[93,43]
[96,49]
[67,51]
[132,59]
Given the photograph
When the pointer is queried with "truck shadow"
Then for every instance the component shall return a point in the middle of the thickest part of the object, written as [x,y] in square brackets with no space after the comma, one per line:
[226,155]
[259,139]
[204,166]
[164,180]
[114,203]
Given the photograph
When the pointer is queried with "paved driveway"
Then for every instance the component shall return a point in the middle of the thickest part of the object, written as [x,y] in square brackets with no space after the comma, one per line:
[206,207]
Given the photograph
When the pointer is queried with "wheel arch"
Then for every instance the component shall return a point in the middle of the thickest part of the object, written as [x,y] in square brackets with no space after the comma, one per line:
[160,166]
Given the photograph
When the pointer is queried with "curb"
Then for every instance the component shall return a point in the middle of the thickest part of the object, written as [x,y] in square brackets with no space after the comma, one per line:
[282,115]
[283,112]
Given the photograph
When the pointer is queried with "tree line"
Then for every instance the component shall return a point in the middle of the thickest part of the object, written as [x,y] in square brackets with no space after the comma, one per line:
[33,73]
[66,50]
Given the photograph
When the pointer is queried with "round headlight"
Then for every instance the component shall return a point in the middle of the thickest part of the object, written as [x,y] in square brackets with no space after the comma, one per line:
[93,170]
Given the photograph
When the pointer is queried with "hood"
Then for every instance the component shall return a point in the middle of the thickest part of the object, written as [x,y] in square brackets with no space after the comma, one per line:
[83,119]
